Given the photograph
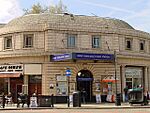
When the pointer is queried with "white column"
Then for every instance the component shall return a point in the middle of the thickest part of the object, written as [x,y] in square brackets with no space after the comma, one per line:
[8,85]
[25,84]
[123,80]
[146,77]
[123,77]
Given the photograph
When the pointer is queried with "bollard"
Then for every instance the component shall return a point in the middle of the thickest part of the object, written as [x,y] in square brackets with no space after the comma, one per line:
[118,100]
[52,100]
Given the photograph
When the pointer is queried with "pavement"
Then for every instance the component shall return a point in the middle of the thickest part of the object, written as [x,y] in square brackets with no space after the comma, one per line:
[83,106]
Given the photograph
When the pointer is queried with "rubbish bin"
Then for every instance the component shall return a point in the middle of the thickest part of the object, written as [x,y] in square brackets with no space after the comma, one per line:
[118,100]
[76,99]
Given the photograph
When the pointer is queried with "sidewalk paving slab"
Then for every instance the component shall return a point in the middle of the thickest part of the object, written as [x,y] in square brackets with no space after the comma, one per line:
[83,106]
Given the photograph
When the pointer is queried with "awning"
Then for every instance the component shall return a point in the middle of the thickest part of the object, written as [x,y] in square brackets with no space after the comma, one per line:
[9,74]
[110,79]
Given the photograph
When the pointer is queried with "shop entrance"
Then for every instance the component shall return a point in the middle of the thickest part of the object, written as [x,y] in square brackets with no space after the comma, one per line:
[84,80]
[35,85]
[16,87]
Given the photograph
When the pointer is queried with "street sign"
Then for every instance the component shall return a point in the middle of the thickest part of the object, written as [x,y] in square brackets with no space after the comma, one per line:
[68,72]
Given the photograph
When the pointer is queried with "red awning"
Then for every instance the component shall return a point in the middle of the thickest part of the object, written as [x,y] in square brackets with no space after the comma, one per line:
[9,74]
[110,79]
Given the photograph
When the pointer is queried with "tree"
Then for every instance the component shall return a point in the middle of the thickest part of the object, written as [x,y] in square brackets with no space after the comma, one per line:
[59,8]
[38,8]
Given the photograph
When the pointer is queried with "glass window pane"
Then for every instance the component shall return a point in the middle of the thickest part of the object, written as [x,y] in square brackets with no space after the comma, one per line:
[142,43]
[128,44]
[28,40]
[8,42]
[71,40]
[95,41]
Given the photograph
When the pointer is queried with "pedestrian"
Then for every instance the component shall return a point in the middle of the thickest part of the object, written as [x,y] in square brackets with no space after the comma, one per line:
[9,98]
[148,95]
[4,99]
[83,94]
[126,93]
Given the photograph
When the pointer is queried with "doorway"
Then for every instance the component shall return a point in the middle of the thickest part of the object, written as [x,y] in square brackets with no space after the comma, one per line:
[84,81]
[16,87]
[35,85]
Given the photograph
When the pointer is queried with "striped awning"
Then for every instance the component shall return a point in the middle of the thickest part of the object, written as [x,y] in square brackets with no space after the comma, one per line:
[9,74]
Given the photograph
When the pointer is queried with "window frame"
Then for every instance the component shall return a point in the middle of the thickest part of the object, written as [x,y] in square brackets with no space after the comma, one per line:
[7,42]
[96,40]
[126,43]
[142,46]
[71,40]
[28,40]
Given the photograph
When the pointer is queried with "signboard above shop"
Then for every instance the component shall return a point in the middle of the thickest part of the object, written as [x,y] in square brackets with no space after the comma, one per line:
[82,56]
[60,57]
[134,72]
[92,56]
[12,68]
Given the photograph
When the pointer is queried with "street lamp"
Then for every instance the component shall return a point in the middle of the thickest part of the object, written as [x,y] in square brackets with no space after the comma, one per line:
[117,100]
[68,74]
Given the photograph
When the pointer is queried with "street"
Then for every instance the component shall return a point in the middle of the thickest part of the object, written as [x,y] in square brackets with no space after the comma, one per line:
[143,110]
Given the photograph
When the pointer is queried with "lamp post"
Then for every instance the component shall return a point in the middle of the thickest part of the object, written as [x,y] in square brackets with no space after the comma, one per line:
[117,100]
[68,74]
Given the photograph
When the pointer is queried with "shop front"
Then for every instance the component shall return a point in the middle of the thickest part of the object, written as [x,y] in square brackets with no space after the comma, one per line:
[11,79]
[20,78]
[134,77]
[32,79]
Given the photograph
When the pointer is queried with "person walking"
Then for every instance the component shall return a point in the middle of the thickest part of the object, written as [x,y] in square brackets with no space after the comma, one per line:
[126,93]
[83,93]
[4,100]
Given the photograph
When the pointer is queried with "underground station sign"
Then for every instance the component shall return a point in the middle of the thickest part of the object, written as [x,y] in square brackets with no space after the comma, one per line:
[82,56]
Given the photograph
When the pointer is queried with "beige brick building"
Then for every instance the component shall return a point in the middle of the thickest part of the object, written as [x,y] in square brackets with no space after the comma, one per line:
[36,50]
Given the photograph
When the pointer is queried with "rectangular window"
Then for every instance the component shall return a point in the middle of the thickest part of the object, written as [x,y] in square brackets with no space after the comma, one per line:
[71,41]
[142,44]
[28,40]
[128,44]
[95,41]
[8,42]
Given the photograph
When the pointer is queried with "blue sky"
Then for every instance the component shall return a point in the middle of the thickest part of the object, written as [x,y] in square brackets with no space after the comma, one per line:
[134,12]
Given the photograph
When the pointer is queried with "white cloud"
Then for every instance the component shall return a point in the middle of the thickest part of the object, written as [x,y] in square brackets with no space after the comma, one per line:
[9,9]
[108,7]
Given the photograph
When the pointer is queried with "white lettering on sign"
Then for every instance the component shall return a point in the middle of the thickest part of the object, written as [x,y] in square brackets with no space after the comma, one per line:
[12,68]
[133,72]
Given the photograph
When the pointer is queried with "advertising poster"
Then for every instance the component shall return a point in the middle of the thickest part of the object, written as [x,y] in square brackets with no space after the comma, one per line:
[62,88]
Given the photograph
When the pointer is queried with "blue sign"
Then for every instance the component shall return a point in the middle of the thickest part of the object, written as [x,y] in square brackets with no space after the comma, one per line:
[82,56]
[61,57]
[84,79]
[68,72]
[91,56]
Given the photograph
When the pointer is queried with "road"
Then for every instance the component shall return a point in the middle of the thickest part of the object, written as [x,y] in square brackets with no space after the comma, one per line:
[143,110]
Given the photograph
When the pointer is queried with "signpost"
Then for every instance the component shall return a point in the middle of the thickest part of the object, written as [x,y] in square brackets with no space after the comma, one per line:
[68,74]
